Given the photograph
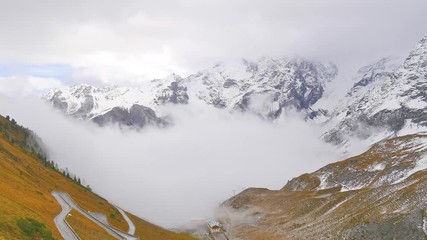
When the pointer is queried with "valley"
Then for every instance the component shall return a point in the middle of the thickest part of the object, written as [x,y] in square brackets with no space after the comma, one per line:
[213,120]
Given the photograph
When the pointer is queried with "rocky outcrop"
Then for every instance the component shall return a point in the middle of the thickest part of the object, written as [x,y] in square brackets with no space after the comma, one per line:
[137,116]
[387,99]
[380,194]
[174,93]
[264,87]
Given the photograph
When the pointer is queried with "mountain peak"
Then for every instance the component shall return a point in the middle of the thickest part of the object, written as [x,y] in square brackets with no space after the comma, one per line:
[263,87]
[385,101]
[417,59]
[174,76]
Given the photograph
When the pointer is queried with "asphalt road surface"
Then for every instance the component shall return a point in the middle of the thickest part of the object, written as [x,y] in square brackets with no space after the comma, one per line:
[71,204]
[64,229]
[130,223]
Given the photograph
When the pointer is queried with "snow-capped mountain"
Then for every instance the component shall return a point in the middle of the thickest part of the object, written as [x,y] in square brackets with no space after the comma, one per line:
[123,105]
[389,99]
[263,87]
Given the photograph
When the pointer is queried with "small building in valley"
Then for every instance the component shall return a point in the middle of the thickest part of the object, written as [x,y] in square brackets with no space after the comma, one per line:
[214,226]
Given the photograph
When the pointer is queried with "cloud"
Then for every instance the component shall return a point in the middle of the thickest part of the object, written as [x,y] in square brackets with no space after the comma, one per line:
[24,86]
[132,41]
[172,175]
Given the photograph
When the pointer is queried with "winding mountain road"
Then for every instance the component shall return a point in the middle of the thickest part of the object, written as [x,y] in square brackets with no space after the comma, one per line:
[64,198]
[130,223]
[63,227]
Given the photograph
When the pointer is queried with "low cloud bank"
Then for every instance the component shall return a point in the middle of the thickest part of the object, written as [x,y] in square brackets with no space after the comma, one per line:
[169,176]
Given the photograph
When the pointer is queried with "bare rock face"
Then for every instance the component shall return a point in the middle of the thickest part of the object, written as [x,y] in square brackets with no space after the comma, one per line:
[174,93]
[137,116]
[264,87]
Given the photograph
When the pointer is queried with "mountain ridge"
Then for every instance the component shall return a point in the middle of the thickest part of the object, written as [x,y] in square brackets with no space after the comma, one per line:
[386,198]
[278,82]
[387,98]
[394,101]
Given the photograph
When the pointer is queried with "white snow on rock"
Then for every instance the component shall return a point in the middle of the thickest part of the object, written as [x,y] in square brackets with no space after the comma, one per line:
[387,98]
[262,87]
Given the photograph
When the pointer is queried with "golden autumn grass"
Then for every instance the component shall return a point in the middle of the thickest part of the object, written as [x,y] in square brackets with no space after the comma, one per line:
[85,228]
[25,192]
[148,231]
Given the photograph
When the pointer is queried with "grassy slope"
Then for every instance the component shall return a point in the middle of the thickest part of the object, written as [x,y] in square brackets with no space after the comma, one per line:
[85,228]
[25,190]
[148,231]
[308,214]
[26,185]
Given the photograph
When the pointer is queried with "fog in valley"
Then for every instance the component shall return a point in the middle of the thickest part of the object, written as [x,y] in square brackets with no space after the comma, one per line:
[172,175]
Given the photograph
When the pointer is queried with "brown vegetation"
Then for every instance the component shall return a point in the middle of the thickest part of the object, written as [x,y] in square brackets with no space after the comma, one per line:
[148,231]
[376,210]
[85,228]
[26,184]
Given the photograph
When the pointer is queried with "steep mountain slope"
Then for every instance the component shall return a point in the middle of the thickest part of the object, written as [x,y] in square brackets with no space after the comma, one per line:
[27,208]
[387,101]
[380,194]
[263,87]
[122,105]
[148,231]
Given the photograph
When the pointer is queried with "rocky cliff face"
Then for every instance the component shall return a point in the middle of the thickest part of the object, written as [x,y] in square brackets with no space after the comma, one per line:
[264,87]
[379,194]
[387,100]
[132,107]
[137,116]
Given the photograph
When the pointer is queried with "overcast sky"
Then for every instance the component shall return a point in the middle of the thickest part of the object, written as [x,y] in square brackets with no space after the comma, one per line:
[50,43]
